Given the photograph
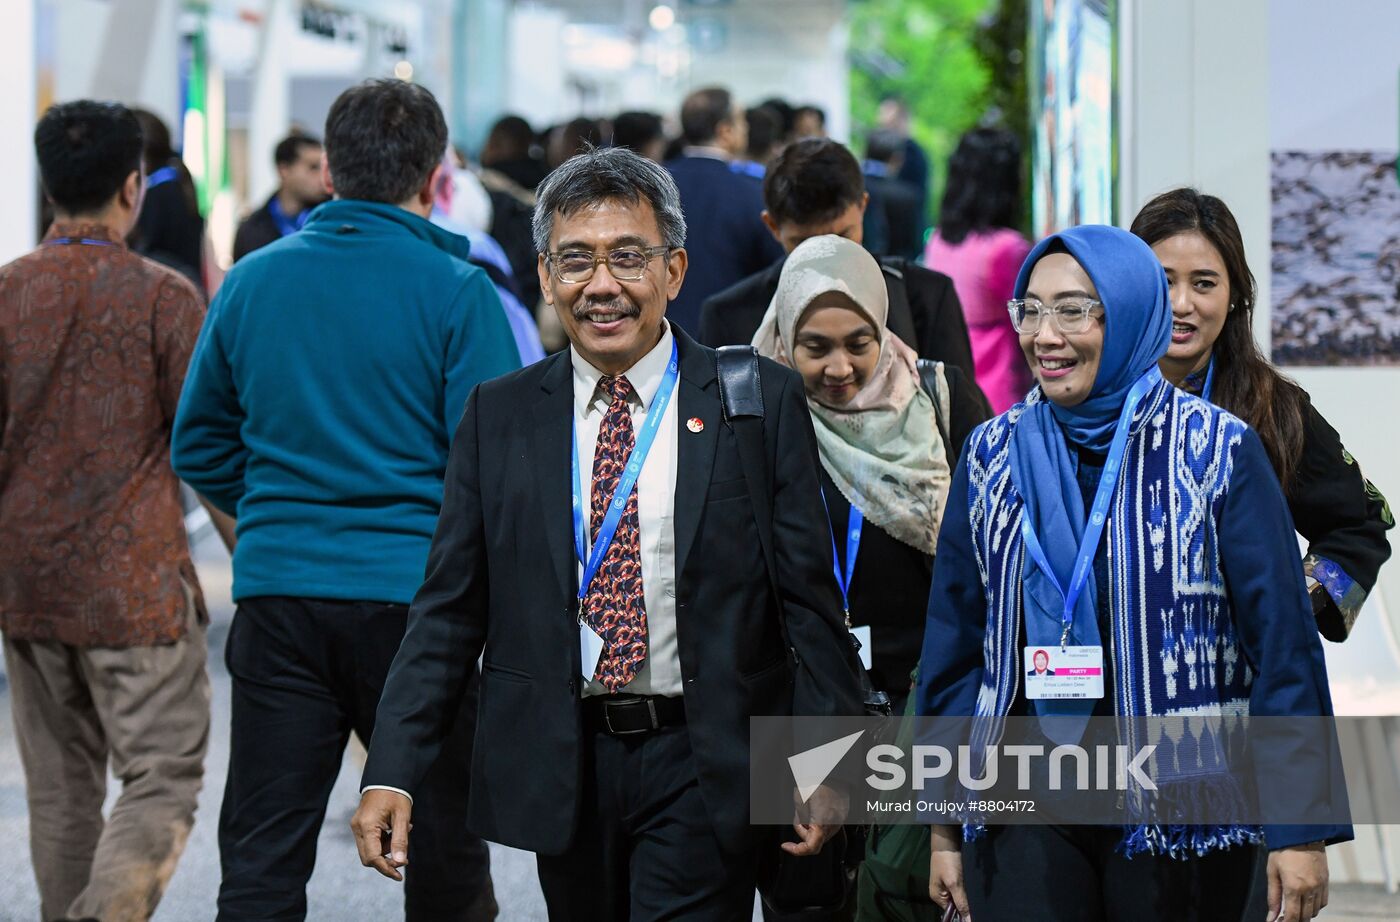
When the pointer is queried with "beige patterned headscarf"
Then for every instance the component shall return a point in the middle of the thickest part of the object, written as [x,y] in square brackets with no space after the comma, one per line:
[882,449]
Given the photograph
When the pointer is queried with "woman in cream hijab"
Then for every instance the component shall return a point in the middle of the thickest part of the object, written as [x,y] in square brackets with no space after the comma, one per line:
[885,467]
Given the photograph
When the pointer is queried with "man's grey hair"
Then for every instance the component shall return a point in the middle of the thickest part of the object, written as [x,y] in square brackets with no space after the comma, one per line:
[607,174]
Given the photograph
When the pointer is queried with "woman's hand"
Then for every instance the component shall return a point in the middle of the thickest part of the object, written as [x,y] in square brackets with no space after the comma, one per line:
[1297,880]
[945,871]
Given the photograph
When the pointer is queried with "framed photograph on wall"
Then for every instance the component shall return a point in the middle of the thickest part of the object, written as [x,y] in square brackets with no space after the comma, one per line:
[1336,257]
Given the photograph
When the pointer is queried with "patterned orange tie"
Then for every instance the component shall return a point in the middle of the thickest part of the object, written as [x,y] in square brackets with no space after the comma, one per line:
[615,607]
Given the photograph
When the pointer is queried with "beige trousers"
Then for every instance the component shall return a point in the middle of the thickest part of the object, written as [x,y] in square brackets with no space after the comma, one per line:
[146,711]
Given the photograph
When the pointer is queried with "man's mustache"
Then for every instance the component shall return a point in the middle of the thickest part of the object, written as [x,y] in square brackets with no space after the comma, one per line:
[612,305]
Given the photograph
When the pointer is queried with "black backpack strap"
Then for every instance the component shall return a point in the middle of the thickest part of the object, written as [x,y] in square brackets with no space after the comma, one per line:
[741,400]
[740,387]
[928,377]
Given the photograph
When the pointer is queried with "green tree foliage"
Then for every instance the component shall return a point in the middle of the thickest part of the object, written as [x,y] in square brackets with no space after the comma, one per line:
[954,62]
[1002,43]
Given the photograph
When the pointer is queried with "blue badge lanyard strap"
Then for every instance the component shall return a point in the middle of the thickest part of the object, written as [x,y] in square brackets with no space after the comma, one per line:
[1098,513]
[853,531]
[285,225]
[162,176]
[625,483]
[81,241]
[1210,380]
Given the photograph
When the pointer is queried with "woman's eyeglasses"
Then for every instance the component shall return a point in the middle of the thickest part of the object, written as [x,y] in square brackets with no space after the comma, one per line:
[1072,315]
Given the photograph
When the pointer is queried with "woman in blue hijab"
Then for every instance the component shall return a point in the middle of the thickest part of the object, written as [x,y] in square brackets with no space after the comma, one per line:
[1203,611]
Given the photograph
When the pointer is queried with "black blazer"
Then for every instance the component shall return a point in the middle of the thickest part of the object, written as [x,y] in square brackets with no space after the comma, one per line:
[902,205]
[725,237]
[256,231]
[924,312]
[1343,516]
[502,577]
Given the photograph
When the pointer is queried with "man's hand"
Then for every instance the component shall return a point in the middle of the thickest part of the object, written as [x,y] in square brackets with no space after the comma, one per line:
[226,525]
[813,836]
[1297,880]
[381,831]
[945,870]
[825,813]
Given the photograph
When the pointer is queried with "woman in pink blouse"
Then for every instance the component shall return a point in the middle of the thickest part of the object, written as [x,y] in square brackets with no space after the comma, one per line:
[976,244]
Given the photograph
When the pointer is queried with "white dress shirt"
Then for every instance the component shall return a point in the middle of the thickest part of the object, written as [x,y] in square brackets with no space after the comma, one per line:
[656,492]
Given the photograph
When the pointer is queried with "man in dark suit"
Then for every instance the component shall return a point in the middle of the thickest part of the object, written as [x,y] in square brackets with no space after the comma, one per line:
[725,238]
[300,188]
[894,115]
[884,153]
[815,187]
[612,735]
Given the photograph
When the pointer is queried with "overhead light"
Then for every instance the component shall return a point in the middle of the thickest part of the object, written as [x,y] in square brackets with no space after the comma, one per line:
[403,70]
[662,17]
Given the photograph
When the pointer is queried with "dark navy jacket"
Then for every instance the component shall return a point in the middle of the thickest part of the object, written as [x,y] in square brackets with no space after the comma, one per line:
[725,236]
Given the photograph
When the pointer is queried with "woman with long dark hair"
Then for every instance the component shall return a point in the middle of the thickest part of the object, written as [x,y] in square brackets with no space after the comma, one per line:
[170,229]
[1213,354]
[977,245]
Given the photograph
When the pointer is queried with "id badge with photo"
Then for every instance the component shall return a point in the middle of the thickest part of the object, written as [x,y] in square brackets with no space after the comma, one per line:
[1063,672]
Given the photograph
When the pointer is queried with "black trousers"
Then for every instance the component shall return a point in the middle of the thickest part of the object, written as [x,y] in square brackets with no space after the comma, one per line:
[306,672]
[644,850]
[1075,874]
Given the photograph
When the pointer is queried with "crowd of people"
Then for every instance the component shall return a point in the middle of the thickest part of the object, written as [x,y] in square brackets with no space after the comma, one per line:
[548,578]
[720,153]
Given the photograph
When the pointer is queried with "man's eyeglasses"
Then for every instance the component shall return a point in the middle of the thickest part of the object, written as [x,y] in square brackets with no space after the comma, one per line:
[626,264]
[1072,315]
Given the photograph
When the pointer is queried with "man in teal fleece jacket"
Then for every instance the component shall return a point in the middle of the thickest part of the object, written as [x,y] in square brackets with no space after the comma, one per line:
[318,408]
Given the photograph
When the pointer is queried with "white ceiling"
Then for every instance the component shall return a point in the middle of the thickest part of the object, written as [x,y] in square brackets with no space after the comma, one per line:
[776,14]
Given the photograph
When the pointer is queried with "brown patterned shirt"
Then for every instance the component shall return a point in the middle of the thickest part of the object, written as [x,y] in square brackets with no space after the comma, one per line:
[94,341]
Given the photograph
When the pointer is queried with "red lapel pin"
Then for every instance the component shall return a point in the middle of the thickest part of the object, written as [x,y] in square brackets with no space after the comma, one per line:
[695,424]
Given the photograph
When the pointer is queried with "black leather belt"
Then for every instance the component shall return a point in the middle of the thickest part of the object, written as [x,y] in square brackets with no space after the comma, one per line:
[622,715]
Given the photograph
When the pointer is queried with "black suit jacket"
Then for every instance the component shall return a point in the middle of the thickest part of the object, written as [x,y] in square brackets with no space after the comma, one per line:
[256,231]
[725,236]
[929,318]
[502,577]
[901,203]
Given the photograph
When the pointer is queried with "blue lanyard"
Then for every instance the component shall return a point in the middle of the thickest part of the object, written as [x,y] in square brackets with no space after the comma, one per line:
[1210,379]
[748,168]
[286,225]
[1098,516]
[853,530]
[625,483]
[83,241]
[162,176]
